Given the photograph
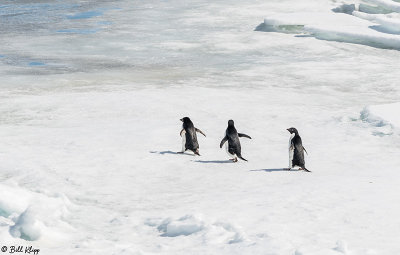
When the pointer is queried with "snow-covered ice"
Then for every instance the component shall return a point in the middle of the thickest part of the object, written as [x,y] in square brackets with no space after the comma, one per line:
[374,23]
[92,93]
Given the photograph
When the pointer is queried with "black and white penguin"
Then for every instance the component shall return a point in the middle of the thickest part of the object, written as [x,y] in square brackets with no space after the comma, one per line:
[189,137]
[233,147]
[296,150]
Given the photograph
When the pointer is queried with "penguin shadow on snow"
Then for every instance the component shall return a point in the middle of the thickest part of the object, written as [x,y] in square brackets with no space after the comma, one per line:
[214,161]
[171,152]
[269,170]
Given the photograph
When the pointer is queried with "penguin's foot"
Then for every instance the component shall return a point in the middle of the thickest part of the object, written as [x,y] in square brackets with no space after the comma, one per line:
[234,159]
[196,152]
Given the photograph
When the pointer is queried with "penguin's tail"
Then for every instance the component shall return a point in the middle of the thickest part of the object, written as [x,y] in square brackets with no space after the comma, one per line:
[197,152]
[240,156]
[305,169]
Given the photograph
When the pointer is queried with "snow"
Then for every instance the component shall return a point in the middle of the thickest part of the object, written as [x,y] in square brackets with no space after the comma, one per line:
[209,232]
[186,225]
[359,23]
[26,227]
[382,115]
[89,125]
[390,5]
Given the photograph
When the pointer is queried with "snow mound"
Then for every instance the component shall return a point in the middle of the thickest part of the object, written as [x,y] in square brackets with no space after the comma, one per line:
[32,215]
[192,225]
[373,25]
[13,200]
[27,226]
[341,246]
[225,232]
[186,225]
[382,115]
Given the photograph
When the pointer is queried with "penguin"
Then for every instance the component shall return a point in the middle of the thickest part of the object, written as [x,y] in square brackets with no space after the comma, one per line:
[233,147]
[189,137]
[296,150]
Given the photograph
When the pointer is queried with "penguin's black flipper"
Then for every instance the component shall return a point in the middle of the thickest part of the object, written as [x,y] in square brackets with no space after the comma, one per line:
[223,141]
[243,135]
[305,150]
[201,132]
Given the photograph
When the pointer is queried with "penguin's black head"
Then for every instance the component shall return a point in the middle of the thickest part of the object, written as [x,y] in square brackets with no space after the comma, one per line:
[292,130]
[185,120]
[231,123]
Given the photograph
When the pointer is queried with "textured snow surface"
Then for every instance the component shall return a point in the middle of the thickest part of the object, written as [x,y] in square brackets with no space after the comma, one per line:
[91,96]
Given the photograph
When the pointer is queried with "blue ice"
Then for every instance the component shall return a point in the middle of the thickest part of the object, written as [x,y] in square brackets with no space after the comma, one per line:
[37,64]
[79,31]
[85,15]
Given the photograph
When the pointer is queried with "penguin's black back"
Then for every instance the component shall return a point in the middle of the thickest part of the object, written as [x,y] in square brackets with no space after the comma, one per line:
[298,153]
[233,140]
[191,137]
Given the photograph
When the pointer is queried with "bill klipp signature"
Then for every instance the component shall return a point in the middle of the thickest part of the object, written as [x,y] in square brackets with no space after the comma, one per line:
[20,249]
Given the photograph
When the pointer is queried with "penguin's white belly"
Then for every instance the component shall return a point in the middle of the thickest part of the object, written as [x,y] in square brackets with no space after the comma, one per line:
[291,151]
[183,141]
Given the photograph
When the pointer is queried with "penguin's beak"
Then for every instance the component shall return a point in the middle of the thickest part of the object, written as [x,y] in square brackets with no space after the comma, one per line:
[181,120]
[288,129]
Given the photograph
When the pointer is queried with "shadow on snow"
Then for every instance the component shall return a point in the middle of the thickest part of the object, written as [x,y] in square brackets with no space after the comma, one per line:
[275,170]
[214,161]
[171,152]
